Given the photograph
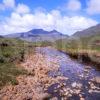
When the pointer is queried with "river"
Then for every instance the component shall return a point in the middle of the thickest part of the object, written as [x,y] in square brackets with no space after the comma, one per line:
[80,84]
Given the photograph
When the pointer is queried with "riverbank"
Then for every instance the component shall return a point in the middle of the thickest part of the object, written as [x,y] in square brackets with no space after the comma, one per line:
[84,56]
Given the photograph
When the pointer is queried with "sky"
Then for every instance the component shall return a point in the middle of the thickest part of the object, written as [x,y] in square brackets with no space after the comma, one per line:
[65,16]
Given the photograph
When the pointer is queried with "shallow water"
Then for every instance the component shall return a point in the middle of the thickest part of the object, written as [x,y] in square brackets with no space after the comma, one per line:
[75,72]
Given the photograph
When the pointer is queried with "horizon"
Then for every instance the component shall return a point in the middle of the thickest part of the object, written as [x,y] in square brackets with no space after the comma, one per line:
[67,16]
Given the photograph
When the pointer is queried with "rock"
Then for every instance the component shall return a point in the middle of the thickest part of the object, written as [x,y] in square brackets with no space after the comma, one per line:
[96,91]
[69,95]
[71,91]
[62,78]
[82,99]
[74,84]
[46,96]
[55,90]
[82,75]
[28,98]
[77,91]
[62,84]
[90,91]
[66,93]
[97,79]
[58,86]
[93,87]
[89,83]
[54,98]
[80,95]
[87,67]
[79,85]
[64,89]
[86,70]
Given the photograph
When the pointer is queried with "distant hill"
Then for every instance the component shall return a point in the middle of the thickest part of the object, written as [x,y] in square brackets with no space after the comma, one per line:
[95,30]
[38,35]
[1,36]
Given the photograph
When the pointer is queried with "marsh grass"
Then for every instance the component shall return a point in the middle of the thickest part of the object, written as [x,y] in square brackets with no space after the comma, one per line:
[8,73]
[11,52]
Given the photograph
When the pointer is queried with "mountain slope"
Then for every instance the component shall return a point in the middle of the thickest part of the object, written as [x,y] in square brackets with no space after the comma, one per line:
[38,35]
[95,30]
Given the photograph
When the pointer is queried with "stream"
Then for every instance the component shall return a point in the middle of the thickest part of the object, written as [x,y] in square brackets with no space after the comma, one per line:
[81,84]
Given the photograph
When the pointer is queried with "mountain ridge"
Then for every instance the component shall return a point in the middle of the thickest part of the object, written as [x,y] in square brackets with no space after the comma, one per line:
[35,35]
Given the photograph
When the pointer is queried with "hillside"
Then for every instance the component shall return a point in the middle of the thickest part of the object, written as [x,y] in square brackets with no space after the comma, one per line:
[95,30]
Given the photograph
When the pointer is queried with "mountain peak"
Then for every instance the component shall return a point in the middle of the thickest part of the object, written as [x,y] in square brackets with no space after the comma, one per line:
[54,31]
[36,30]
[41,31]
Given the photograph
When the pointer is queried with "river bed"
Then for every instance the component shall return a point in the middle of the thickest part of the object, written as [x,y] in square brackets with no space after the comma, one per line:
[83,80]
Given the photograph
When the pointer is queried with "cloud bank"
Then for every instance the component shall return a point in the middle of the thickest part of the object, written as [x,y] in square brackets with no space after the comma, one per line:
[22,20]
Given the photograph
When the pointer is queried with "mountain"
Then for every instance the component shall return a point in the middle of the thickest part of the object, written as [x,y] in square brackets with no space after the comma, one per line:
[38,35]
[95,30]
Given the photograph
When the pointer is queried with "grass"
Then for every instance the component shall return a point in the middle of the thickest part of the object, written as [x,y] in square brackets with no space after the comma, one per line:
[81,44]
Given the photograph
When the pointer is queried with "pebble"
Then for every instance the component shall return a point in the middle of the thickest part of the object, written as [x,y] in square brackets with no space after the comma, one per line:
[78,91]
[66,93]
[80,95]
[74,84]
[90,91]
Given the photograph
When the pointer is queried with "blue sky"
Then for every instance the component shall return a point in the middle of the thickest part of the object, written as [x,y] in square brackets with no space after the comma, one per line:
[66,16]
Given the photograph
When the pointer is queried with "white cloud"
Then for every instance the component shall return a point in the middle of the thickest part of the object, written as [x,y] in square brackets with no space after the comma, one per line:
[7,4]
[74,5]
[48,21]
[93,7]
[22,9]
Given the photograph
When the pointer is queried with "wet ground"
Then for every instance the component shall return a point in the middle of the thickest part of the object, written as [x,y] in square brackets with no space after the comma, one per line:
[83,80]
